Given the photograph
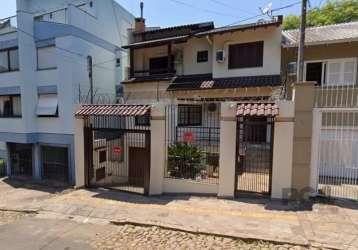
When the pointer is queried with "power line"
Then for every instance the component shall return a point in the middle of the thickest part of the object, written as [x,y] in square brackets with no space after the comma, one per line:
[202,9]
[230,6]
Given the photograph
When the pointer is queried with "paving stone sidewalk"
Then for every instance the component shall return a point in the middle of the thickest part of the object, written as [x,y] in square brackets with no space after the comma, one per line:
[322,225]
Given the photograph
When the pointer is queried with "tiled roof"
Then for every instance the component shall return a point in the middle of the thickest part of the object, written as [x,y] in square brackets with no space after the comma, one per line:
[185,26]
[265,23]
[156,42]
[323,34]
[257,109]
[114,110]
[202,82]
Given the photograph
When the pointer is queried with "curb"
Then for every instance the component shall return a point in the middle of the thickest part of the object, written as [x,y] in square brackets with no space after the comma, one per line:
[186,230]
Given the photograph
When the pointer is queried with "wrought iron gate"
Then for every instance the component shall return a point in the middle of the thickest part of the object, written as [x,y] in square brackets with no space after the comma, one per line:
[254,154]
[117,153]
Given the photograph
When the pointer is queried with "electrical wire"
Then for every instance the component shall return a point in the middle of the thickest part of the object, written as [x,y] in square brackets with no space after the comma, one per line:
[231,7]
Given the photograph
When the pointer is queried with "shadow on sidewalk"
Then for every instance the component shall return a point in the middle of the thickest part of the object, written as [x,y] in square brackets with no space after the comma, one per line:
[51,187]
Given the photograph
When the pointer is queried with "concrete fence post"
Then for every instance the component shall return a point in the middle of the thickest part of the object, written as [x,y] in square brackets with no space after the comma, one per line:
[227,162]
[157,149]
[282,151]
[79,154]
[303,98]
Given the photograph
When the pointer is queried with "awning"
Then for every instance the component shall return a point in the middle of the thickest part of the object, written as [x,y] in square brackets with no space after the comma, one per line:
[113,110]
[47,105]
[257,109]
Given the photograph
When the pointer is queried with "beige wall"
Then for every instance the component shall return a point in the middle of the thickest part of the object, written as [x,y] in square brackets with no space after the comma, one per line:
[147,92]
[282,150]
[191,48]
[157,149]
[227,163]
[318,52]
[79,153]
[272,51]
[303,97]
[187,186]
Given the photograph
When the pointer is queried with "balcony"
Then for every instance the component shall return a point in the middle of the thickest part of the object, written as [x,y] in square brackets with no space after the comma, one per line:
[8,25]
[57,16]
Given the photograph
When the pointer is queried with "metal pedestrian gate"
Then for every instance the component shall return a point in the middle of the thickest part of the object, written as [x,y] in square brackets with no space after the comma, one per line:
[254,155]
[117,147]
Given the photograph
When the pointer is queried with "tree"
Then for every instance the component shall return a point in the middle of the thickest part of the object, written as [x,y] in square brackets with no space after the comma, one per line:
[332,12]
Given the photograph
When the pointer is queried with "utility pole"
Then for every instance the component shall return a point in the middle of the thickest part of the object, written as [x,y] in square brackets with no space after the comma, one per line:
[90,75]
[302,41]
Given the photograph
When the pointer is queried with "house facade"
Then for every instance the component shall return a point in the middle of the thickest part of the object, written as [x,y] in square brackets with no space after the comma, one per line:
[46,53]
[331,63]
[199,61]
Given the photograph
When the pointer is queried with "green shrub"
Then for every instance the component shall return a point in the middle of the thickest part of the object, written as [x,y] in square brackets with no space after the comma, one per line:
[184,160]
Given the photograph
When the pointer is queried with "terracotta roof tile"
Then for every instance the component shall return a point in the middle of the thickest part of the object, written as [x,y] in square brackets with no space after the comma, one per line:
[257,109]
[113,109]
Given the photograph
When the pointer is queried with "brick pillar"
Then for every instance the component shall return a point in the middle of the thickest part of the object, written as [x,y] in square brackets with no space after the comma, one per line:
[157,149]
[303,98]
[228,124]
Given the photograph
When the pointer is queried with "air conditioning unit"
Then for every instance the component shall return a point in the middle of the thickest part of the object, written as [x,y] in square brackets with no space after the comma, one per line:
[292,68]
[220,56]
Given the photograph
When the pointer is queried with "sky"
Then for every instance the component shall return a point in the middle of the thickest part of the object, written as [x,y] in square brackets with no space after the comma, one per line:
[165,13]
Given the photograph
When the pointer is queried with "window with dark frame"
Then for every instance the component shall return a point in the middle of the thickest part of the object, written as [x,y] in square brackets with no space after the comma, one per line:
[189,115]
[246,55]
[142,120]
[202,56]
[158,65]
[9,60]
[102,156]
[10,106]
[314,72]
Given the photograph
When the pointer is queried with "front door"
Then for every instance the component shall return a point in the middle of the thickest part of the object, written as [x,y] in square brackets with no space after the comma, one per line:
[138,164]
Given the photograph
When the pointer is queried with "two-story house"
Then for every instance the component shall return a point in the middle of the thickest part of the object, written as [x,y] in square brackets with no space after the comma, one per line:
[54,55]
[194,68]
[198,61]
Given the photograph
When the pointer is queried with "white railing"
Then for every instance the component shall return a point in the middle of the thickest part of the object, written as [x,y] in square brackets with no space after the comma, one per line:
[8,25]
[57,16]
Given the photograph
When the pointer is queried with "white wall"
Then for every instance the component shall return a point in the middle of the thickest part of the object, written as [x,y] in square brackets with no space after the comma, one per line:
[272,51]
[191,48]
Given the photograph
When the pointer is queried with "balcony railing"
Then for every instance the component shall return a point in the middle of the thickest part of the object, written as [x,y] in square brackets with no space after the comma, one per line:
[57,16]
[151,72]
[8,25]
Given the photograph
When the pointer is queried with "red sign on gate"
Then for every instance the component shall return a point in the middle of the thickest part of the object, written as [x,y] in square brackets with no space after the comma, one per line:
[188,137]
[117,150]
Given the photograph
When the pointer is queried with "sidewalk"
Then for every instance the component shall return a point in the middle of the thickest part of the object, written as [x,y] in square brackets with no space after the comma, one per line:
[333,226]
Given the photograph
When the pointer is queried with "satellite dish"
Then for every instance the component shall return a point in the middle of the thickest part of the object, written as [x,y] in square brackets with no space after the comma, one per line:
[267,10]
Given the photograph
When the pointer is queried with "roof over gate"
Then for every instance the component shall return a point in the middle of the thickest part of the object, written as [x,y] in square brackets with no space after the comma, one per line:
[113,110]
[257,109]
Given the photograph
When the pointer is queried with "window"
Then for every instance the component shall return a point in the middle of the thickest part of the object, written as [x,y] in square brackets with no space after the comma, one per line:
[314,72]
[158,65]
[9,60]
[341,72]
[202,56]
[102,156]
[118,62]
[189,115]
[46,58]
[47,106]
[246,55]
[10,106]
[142,120]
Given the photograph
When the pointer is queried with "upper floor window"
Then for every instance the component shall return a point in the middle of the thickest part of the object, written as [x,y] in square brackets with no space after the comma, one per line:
[47,105]
[46,58]
[189,115]
[142,120]
[335,72]
[158,65]
[246,55]
[10,106]
[9,60]
[202,56]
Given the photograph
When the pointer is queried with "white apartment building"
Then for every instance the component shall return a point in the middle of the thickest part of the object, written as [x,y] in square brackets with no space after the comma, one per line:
[44,74]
